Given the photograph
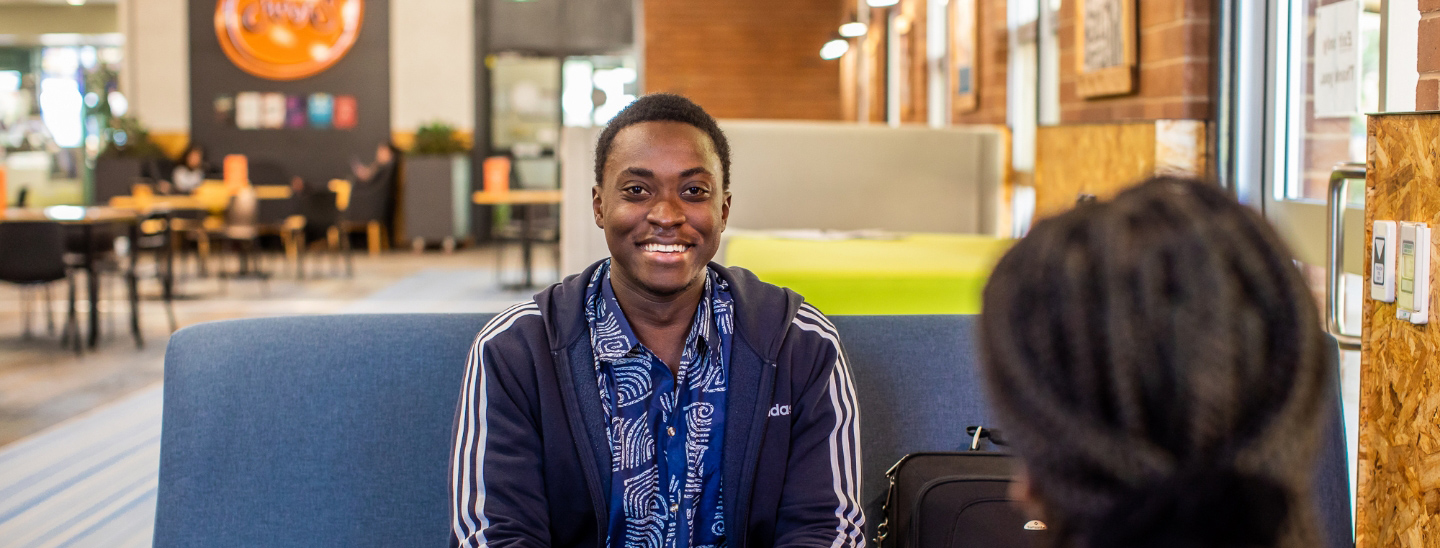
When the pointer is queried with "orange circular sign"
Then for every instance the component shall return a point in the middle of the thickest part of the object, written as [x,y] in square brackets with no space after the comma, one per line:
[287,39]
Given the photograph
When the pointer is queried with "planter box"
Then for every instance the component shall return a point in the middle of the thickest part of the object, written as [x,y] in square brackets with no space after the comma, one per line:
[435,200]
[113,177]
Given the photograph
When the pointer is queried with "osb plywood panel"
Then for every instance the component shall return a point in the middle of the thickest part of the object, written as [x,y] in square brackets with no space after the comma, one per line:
[1099,159]
[1103,159]
[1398,481]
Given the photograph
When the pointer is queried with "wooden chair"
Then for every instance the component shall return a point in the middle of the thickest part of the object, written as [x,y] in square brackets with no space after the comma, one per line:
[360,209]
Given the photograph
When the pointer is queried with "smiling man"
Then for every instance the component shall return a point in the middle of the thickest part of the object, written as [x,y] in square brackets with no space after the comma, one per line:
[658,399]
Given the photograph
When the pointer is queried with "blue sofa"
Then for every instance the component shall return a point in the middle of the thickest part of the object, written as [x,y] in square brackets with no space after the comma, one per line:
[335,430]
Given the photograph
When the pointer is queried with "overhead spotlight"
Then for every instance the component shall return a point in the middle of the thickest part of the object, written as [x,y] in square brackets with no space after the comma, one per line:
[881,3]
[834,49]
[76,2]
[854,29]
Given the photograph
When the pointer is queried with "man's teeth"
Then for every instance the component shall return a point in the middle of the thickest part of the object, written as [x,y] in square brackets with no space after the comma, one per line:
[665,248]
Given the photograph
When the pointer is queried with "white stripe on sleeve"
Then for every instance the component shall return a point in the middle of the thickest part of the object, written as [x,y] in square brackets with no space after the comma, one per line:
[467,497]
[844,446]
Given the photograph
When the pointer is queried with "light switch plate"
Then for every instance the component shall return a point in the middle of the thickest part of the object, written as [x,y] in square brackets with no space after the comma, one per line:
[1413,273]
[1382,261]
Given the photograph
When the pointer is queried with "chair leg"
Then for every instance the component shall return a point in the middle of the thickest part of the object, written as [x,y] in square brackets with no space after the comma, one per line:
[109,313]
[299,236]
[49,313]
[332,237]
[71,334]
[202,252]
[73,320]
[292,253]
[373,238]
[345,247]
[25,307]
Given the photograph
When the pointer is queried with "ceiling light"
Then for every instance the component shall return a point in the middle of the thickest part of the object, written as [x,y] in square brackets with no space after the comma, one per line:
[881,3]
[853,29]
[76,2]
[834,49]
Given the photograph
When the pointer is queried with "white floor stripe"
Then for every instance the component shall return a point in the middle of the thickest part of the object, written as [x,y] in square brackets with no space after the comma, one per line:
[89,499]
[85,469]
[93,476]
[142,407]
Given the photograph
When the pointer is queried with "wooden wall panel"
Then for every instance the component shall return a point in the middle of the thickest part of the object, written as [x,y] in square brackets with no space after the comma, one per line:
[1103,159]
[1398,481]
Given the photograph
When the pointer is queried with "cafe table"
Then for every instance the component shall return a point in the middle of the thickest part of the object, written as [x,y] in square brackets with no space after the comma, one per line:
[872,272]
[86,219]
[523,198]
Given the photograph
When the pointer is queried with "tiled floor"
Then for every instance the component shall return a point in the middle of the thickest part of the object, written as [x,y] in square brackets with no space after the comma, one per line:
[42,384]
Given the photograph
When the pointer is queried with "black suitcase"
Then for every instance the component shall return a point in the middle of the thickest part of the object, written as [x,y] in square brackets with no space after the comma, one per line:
[956,499]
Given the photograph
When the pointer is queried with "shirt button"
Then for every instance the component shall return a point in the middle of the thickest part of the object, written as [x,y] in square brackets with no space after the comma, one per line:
[674,508]
[670,430]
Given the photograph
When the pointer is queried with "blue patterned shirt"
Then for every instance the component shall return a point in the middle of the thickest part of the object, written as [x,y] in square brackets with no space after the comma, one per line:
[665,430]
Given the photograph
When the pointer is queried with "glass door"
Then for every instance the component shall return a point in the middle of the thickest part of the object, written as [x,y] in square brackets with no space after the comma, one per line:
[1304,74]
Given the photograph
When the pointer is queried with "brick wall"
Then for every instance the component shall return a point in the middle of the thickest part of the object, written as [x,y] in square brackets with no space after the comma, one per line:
[994,58]
[1174,50]
[745,58]
[1427,91]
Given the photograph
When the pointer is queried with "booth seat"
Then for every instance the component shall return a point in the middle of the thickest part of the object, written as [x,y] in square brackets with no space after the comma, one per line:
[335,430]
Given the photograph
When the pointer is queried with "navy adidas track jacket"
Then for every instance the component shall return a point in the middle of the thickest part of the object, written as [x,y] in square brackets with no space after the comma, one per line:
[531,461]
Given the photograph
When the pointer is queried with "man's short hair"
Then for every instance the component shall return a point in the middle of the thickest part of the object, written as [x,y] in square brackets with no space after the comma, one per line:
[663,107]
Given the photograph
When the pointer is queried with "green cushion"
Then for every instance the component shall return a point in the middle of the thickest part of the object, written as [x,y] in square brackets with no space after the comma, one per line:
[911,274]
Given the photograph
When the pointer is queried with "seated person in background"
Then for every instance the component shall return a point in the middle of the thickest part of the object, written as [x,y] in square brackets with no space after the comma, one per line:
[381,171]
[191,169]
[1158,366]
[658,399]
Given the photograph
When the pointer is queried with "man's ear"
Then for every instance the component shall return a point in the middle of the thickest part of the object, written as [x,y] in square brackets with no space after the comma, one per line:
[725,212]
[595,204]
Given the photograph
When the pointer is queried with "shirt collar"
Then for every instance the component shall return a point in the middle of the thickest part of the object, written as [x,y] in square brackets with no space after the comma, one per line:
[604,309]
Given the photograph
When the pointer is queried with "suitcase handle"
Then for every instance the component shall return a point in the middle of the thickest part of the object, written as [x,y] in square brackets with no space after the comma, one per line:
[979,432]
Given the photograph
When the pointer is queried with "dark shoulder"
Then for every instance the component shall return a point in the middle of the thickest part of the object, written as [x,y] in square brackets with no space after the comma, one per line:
[811,325]
[515,327]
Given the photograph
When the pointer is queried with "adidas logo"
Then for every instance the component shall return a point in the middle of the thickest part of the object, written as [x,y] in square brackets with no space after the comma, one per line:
[779,410]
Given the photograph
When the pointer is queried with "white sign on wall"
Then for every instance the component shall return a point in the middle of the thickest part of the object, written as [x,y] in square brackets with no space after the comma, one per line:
[1336,74]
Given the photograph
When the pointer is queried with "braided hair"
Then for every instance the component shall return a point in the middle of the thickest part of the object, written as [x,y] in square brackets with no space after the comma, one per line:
[1160,368]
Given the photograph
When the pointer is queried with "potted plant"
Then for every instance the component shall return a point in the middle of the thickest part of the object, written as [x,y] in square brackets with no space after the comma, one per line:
[437,180]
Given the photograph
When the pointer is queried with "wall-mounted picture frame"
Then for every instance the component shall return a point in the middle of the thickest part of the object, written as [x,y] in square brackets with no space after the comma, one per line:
[1105,39]
[964,55]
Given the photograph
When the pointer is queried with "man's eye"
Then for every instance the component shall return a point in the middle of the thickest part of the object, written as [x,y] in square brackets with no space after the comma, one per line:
[695,191]
[635,190]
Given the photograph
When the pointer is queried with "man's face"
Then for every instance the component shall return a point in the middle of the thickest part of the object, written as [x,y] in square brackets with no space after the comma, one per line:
[662,206]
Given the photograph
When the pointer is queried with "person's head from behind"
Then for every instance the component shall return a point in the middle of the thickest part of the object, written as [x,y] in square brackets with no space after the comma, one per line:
[1159,368]
[662,179]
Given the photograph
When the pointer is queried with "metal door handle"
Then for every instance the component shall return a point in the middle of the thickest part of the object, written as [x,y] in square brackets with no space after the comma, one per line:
[1339,198]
